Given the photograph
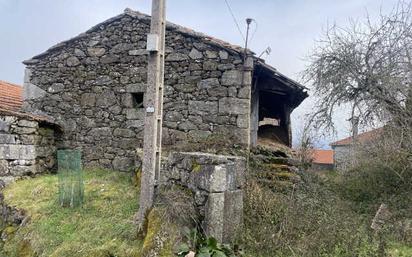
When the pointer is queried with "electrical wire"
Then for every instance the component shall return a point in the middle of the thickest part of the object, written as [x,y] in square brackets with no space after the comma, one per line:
[235,20]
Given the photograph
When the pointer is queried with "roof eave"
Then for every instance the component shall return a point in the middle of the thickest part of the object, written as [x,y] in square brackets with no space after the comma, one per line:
[146,18]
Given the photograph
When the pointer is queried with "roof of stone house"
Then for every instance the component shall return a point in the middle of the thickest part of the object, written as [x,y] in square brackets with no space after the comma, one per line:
[11,101]
[180,29]
[28,116]
[364,137]
[320,156]
[10,96]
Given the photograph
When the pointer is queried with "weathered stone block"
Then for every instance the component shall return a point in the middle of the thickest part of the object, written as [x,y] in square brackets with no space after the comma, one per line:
[234,105]
[16,152]
[243,121]
[210,65]
[211,54]
[105,99]
[23,170]
[173,116]
[4,167]
[187,125]
[134,114]
[136,88]
[223,55]
[208,83]
[88,99]
[217,92]
[7,139]
[244,92]
[119,132]
[24,130]
[79,53]
[215,218]
[202,107]
[107,59]
[199,134]
[96,51]
[186,88]
[101,132]
[232,78]
[218,179]
[134,123]
[233,215]
[127,100]
[4,126]
[195,54]
[72,61]
[176,57]
[137,52]
[28,123]
[56,88]
[121,47]
[122,163]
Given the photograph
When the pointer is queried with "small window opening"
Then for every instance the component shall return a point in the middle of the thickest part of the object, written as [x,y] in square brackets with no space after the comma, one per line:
[138,99]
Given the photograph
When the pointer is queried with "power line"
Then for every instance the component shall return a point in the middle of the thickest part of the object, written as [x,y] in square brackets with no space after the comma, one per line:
[235,20]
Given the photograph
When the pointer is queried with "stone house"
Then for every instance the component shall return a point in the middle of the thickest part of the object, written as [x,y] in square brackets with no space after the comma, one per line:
[27,145]
[93,86]
[345,151]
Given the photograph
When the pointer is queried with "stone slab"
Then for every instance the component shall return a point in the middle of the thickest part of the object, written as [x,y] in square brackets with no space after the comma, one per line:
[214,219]
[233,215]
[7,139]
[17,152]
[218,179]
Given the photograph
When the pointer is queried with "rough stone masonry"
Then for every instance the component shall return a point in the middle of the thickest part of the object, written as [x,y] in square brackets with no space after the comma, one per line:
[27,147]
[216,182]
[93,86]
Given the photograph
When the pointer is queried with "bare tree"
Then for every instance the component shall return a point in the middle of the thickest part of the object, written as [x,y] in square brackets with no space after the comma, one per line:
[366,66]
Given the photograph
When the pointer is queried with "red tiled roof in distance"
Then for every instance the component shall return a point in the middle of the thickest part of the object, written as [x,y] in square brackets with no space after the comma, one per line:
[322,156]
[361,138]
[10,96]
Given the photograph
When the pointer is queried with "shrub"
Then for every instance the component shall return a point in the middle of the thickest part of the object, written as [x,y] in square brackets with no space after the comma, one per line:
[309,221]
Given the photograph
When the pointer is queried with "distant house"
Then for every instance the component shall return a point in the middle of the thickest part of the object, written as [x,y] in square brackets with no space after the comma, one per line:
[322,159]
[344,149]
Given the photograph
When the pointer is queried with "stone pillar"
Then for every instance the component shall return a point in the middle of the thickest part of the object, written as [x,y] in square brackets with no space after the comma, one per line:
[217,183]
[254,117]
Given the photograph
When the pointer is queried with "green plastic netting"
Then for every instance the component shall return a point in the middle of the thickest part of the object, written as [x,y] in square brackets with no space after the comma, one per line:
[70,173]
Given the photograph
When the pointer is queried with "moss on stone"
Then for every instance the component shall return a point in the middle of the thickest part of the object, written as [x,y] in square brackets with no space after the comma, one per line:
[9,231]
[159,236]
[196,167]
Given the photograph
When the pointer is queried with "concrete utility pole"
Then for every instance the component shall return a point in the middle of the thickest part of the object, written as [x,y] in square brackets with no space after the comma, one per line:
[154,109]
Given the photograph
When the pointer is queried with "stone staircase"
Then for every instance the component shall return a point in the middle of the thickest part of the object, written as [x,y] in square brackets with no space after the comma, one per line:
[275,168]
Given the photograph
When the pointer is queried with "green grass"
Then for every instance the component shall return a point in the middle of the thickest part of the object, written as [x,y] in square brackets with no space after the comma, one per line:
[101,227]
[399,250]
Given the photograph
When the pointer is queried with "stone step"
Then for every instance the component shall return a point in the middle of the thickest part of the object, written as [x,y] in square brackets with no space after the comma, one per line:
[277,185]
[281,176]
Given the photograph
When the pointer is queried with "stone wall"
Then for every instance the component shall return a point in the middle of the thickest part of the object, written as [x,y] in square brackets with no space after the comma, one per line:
[91,86]
[27,147]
[216,182]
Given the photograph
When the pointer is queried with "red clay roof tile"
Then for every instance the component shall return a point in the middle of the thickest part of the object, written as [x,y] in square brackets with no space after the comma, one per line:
[10,96]
[322,156]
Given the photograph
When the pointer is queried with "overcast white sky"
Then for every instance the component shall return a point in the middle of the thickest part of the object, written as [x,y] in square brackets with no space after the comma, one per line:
[289,27]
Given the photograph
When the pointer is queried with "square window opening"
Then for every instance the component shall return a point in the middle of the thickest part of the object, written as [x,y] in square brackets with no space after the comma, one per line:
[138,99]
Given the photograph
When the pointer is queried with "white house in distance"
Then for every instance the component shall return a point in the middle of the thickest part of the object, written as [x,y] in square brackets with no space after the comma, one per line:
[344,152]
